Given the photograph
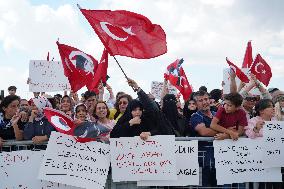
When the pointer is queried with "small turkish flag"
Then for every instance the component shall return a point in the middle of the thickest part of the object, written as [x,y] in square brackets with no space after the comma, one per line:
[176,76]
[248,56]
[59,120]
[241,75]
[127,34]
[261,70]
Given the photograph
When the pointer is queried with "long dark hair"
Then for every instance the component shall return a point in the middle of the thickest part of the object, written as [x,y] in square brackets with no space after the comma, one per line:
[7,100]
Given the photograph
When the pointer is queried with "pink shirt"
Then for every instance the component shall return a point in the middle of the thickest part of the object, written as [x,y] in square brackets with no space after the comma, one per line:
[251,124]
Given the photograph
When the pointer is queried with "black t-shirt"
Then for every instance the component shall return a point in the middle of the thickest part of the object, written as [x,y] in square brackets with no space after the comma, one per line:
[7,130]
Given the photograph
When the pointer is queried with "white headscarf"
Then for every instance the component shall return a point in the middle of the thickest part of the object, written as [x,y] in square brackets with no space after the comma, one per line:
[41,102]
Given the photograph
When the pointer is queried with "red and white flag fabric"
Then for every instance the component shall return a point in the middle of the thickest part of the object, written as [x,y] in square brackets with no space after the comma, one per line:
[79,67]
[83,132]
[261,70]
[61,122]
[248,56]
[127,34]
[176,76]
[239,73]
[101,73]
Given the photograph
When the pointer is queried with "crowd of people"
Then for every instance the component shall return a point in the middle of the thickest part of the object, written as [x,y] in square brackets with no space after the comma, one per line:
[205,114]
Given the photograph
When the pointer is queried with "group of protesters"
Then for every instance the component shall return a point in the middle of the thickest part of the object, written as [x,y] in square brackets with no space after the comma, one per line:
[205,114]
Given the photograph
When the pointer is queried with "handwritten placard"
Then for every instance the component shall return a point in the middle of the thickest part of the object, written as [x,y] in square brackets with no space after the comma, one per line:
[133,159]
[187,167]
[157,87]
[47,76]
[273,144]
[77,164]
[241,161]
[19,169]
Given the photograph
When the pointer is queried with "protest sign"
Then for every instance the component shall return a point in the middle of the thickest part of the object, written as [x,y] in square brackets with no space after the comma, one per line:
[157,87]
[83,165]
[133,159]
[227,81]
[47,76]
[187,167]
[19,169]
[273,144]
[241,161]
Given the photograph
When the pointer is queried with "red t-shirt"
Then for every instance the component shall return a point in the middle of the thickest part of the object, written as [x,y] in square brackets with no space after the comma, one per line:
[237,118]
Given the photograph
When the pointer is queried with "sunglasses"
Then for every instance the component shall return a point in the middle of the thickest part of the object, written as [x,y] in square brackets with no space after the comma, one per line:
[123,102]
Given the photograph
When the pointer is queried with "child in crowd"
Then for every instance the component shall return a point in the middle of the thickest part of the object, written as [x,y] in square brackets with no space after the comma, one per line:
[81,112]
[230,118]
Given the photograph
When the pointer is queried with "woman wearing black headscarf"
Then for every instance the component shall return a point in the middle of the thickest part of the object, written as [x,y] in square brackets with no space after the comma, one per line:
[141,118]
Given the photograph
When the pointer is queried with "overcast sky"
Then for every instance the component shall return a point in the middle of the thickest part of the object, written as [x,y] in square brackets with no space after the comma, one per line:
[202,32]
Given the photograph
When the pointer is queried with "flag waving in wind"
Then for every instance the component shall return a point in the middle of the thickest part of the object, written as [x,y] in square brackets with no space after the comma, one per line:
[261,70]
[241,75]
[101,73]
[248,56]
[176,76]
[79,67]
[127,34]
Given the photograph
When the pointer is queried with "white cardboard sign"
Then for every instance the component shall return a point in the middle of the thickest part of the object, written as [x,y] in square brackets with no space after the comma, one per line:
[77,164]
[19,169]
[187,169]
[133,159]
[47,76]
[273,144]
[157,87]
[241,161]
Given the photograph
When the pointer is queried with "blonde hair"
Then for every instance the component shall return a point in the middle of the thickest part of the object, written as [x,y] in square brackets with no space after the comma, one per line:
[278,113]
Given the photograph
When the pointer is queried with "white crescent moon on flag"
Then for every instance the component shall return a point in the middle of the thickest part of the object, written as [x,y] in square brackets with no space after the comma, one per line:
[112,35]
[61,125]
[256,67]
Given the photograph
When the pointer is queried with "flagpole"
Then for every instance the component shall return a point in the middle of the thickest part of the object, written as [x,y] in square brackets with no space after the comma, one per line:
[122,71]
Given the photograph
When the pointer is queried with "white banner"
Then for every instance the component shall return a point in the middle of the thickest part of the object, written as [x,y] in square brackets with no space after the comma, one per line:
[187,166]
[19,169]
[273,144]
[157,87]
[83,165]
[47,76]
[133,159]
[241,161]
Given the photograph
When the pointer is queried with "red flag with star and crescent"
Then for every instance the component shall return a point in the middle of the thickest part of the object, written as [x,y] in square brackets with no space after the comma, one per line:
[176,76]
[248,56]
[261,70]
[101,73]
[127,34]
[79,67]
[239,73]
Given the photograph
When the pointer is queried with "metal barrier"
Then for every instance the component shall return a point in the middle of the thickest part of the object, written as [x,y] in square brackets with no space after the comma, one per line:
[13,145]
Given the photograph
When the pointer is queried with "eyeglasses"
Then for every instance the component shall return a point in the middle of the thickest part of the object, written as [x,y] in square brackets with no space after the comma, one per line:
[123,102]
